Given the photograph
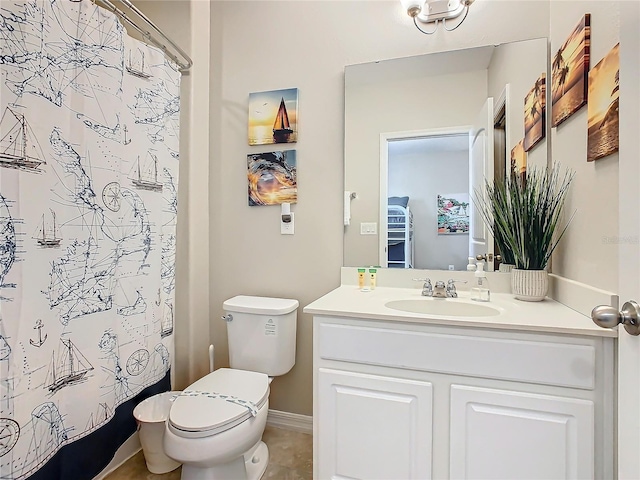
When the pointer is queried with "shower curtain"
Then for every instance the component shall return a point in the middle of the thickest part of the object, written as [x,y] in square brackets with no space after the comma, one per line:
[88,185]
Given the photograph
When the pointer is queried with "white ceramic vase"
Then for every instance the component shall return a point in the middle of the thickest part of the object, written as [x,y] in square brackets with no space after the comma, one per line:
[529,285]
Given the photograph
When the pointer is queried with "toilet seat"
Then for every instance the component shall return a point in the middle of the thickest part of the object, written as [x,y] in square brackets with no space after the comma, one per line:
[218,402]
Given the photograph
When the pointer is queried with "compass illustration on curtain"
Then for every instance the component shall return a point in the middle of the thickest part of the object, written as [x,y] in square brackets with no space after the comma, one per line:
[9,433]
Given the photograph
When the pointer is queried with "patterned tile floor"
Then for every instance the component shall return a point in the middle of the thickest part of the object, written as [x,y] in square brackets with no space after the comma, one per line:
[290,458]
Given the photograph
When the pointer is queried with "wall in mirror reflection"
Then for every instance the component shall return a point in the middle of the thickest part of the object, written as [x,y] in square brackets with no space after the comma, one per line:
[429,92]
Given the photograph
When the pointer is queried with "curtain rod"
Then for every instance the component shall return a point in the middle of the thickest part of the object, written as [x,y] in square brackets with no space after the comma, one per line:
[183,60]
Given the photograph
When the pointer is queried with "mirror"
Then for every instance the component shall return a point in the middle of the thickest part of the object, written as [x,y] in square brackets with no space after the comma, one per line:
[411,130]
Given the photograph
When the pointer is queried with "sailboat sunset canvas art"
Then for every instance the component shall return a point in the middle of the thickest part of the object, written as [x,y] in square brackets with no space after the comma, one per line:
[273,117]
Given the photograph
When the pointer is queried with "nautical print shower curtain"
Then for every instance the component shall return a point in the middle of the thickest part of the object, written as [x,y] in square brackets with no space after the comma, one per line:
[88,186]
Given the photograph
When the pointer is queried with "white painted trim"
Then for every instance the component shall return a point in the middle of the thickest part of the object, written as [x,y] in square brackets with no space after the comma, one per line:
[290,421]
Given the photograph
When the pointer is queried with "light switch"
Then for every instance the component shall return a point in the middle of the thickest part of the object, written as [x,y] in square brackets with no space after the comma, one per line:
[368,228]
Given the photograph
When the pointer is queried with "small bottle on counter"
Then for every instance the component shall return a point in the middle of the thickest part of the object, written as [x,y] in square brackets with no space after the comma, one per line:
[372,278]
[480,291]
[361,277]
[471,265]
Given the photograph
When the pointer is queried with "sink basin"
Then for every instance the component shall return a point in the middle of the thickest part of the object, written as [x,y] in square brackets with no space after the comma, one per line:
[443,307]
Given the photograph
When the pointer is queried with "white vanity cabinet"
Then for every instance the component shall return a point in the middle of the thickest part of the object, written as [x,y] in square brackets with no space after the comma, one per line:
[410,400]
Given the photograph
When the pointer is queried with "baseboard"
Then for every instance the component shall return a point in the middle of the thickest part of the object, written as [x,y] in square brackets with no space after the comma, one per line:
[290,421]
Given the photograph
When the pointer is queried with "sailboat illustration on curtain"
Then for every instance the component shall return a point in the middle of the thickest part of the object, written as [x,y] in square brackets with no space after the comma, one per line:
[147,178]
[46,235]
[281,127]
[19,147]
[71,367]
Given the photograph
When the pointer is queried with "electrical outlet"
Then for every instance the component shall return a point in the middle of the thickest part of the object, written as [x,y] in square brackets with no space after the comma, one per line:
[286,228]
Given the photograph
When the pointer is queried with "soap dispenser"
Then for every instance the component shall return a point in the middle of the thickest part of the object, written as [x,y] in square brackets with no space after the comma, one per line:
[471,265]
[480,291]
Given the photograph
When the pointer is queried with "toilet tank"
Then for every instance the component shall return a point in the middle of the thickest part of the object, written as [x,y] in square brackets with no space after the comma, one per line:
[262,333]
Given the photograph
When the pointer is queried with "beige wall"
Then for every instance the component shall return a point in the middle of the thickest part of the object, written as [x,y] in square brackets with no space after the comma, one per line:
[227,248]
[589,252]
[507,66]
[271,45]
[187,23]
[393,106]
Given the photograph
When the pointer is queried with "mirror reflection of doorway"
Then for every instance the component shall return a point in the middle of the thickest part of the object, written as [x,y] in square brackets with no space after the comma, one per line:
[500,150]
[420,169]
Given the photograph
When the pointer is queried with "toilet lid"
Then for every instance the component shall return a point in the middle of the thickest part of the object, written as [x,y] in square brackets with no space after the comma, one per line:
[219,401]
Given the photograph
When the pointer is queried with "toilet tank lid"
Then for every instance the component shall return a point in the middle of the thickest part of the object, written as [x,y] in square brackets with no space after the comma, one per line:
[260,305]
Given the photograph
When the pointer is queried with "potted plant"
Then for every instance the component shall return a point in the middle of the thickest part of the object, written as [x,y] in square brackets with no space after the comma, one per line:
[524,214]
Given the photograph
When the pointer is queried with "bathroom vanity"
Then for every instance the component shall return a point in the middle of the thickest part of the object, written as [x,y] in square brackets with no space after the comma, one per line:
[411,387]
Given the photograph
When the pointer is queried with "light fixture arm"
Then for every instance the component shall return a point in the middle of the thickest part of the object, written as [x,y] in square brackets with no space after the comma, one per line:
[415,22]
[444,22]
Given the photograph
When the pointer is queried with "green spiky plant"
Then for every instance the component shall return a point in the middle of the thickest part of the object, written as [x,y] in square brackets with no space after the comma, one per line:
[524,214]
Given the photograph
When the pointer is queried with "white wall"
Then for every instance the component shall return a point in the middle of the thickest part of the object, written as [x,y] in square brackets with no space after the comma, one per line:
[422,177]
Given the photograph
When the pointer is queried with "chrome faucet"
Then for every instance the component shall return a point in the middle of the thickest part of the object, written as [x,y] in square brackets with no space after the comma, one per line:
[439,290]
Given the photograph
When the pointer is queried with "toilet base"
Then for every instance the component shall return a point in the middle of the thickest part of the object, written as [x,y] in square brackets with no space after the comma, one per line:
[250,466]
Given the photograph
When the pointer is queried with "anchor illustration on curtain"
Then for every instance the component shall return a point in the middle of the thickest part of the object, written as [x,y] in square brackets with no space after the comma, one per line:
[89,127]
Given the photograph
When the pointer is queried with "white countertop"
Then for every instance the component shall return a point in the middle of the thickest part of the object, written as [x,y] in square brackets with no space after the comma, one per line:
[546,316]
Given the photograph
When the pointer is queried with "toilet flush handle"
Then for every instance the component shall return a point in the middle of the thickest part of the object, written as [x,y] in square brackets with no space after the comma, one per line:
[227,318]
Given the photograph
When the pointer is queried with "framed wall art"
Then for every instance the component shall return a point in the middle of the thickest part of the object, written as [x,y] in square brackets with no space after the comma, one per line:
[569,71]
[273,117]
[535,113]
[453,213]
[519,160]
[272,178]
[604,102]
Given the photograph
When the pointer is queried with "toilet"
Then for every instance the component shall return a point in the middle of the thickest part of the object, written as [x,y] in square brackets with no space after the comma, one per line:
[215,426]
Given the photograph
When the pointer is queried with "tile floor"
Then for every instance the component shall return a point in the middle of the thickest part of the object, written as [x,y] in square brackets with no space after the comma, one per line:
[290,458]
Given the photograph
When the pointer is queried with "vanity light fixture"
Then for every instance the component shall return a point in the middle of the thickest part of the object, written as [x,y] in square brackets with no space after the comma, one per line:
[434,11]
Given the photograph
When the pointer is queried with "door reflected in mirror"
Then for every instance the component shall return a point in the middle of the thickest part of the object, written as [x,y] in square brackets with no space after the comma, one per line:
[421,127]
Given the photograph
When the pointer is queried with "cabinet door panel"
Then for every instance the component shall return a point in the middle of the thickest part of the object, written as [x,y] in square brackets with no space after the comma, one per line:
[373,427]
[497,434]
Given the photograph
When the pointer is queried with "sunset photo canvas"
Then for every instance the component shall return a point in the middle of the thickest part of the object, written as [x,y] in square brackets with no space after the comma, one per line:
[569,71]
[519,160]
[272,177]
[604,102]
[534,113]
[273,117]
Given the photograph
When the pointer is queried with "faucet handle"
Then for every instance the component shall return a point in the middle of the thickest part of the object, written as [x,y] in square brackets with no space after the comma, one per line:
[427,289]
[451,287]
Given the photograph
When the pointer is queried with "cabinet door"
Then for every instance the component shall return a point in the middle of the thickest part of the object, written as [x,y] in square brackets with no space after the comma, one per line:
[497,434]
[373,427]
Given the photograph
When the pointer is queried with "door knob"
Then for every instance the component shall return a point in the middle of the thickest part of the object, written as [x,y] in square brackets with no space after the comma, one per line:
[488,257]
[606,316]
